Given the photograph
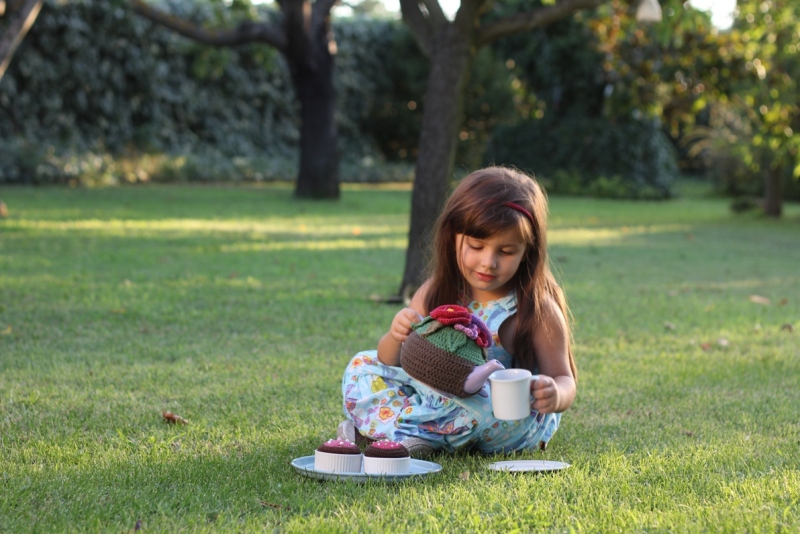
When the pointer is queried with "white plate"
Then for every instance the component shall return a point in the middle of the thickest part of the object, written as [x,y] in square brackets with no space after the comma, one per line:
[417,468]
[519,466]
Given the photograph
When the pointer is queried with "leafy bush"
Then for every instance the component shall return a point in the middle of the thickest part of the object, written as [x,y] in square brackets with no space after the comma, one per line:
[95,80]
[591,156]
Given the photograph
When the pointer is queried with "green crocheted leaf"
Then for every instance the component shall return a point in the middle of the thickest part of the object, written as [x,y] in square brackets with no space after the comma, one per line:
[427,326]
[456,342]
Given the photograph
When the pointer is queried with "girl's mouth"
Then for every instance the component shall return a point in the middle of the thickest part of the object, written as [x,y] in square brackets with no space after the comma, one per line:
[484,277]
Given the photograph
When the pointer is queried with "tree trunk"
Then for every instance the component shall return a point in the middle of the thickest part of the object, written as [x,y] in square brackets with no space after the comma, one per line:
[310,58]
[21,22]
[306,41]
[319,161]
[773,201]
[450,59]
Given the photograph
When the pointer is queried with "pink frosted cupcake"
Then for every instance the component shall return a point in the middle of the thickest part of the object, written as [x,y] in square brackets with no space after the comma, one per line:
[338,456]
[386,458]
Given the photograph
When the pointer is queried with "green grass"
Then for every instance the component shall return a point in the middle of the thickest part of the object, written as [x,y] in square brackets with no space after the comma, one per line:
[238,308]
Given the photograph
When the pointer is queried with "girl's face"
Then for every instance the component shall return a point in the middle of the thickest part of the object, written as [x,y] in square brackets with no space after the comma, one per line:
[488,265]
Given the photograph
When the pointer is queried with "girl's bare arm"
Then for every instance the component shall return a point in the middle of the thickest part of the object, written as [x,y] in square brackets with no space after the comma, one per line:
[391,342]
[555,390]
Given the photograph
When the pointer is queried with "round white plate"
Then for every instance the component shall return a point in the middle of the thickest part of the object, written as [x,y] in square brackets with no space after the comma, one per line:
[417,468]
[519,466]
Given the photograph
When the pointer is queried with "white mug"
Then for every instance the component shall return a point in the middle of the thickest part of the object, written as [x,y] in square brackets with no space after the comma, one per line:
[511,393]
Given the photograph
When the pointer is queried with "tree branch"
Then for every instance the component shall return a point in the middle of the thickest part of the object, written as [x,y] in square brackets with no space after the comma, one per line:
[537,18]
[16,31]
[320,11]
[435,12]
[419,25]
[246,32]
[468,12]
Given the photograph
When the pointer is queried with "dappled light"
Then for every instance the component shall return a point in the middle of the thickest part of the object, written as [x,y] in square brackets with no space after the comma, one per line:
[584,236]
[188,226]
[333,244]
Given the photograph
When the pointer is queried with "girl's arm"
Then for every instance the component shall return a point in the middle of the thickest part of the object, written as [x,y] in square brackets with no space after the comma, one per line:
[555,389]
[391,342]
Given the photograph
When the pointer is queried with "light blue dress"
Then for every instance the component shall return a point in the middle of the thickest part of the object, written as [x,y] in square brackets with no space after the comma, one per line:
[385,403]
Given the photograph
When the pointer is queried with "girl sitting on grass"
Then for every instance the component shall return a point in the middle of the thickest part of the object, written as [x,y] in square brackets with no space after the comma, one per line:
[490,255]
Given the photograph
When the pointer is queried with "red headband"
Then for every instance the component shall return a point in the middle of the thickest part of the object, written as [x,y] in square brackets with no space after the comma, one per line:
[520,209]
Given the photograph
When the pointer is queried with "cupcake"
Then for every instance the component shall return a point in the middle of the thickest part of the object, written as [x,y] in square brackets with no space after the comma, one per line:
[386,458]
[338,456]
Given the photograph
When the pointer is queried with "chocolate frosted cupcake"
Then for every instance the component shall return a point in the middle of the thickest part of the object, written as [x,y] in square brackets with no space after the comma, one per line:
[337,456]
[386,458]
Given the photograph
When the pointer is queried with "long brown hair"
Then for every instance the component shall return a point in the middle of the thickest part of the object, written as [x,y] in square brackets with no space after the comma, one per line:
[477,208]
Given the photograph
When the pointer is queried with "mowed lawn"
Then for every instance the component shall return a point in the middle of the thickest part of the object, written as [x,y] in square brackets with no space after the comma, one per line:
[237,308]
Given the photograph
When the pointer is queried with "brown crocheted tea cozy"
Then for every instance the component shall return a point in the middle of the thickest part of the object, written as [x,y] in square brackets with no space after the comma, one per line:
[445,347]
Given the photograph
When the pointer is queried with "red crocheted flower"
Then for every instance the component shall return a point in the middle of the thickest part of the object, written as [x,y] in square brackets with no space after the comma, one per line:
[450,314]
[462,318]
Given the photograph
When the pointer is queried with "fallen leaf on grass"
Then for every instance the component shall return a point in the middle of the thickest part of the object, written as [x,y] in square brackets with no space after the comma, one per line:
[783,302]
[266,504]
[7,331]
[688,433]
[464,475]
[172,418]
[669,326]
[138,525]
[722,342]
[787,327]
[758,299]
[118,310]
[705,346]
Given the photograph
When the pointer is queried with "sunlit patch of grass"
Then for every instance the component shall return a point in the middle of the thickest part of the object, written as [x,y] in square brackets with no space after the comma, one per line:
[335,244]
[600,236]
[115,227]
[238,308]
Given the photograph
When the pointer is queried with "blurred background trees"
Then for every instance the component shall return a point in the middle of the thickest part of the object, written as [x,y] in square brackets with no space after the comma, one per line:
[595,103]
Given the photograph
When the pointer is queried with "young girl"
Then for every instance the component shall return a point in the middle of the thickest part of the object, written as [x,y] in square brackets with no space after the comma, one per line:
[490,255]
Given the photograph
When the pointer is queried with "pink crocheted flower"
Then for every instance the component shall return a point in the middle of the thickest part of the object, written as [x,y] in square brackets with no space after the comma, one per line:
[484,338]
[450,314]
[464,321]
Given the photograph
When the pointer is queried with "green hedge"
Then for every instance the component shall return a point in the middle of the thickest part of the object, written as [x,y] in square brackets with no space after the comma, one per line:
[95,90]
[592,156]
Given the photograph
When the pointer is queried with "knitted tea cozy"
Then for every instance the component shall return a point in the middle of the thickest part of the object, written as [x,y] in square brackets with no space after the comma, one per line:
[445,347]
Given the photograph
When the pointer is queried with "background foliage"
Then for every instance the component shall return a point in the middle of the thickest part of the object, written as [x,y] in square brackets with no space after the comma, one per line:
[594,104]
[92,78]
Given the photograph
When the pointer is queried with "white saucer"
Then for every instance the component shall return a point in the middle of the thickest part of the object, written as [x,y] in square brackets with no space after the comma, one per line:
[417,468]
[520,466]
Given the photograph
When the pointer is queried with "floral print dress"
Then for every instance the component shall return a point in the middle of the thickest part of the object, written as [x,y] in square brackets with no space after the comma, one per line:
[384,402]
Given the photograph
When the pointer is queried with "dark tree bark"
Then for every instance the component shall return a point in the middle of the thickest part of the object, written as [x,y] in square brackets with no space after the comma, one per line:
[311,67]
[773,199]
[305,39]
[451,45]
[22,18]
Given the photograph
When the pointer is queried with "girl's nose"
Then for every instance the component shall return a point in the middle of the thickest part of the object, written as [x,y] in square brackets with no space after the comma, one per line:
[489,261]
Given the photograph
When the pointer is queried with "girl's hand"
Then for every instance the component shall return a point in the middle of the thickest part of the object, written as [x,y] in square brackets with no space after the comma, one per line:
[545,395]
[401,324]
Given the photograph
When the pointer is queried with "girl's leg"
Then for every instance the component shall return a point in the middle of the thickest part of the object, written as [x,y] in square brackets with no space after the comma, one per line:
[385,403]
[493,435]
